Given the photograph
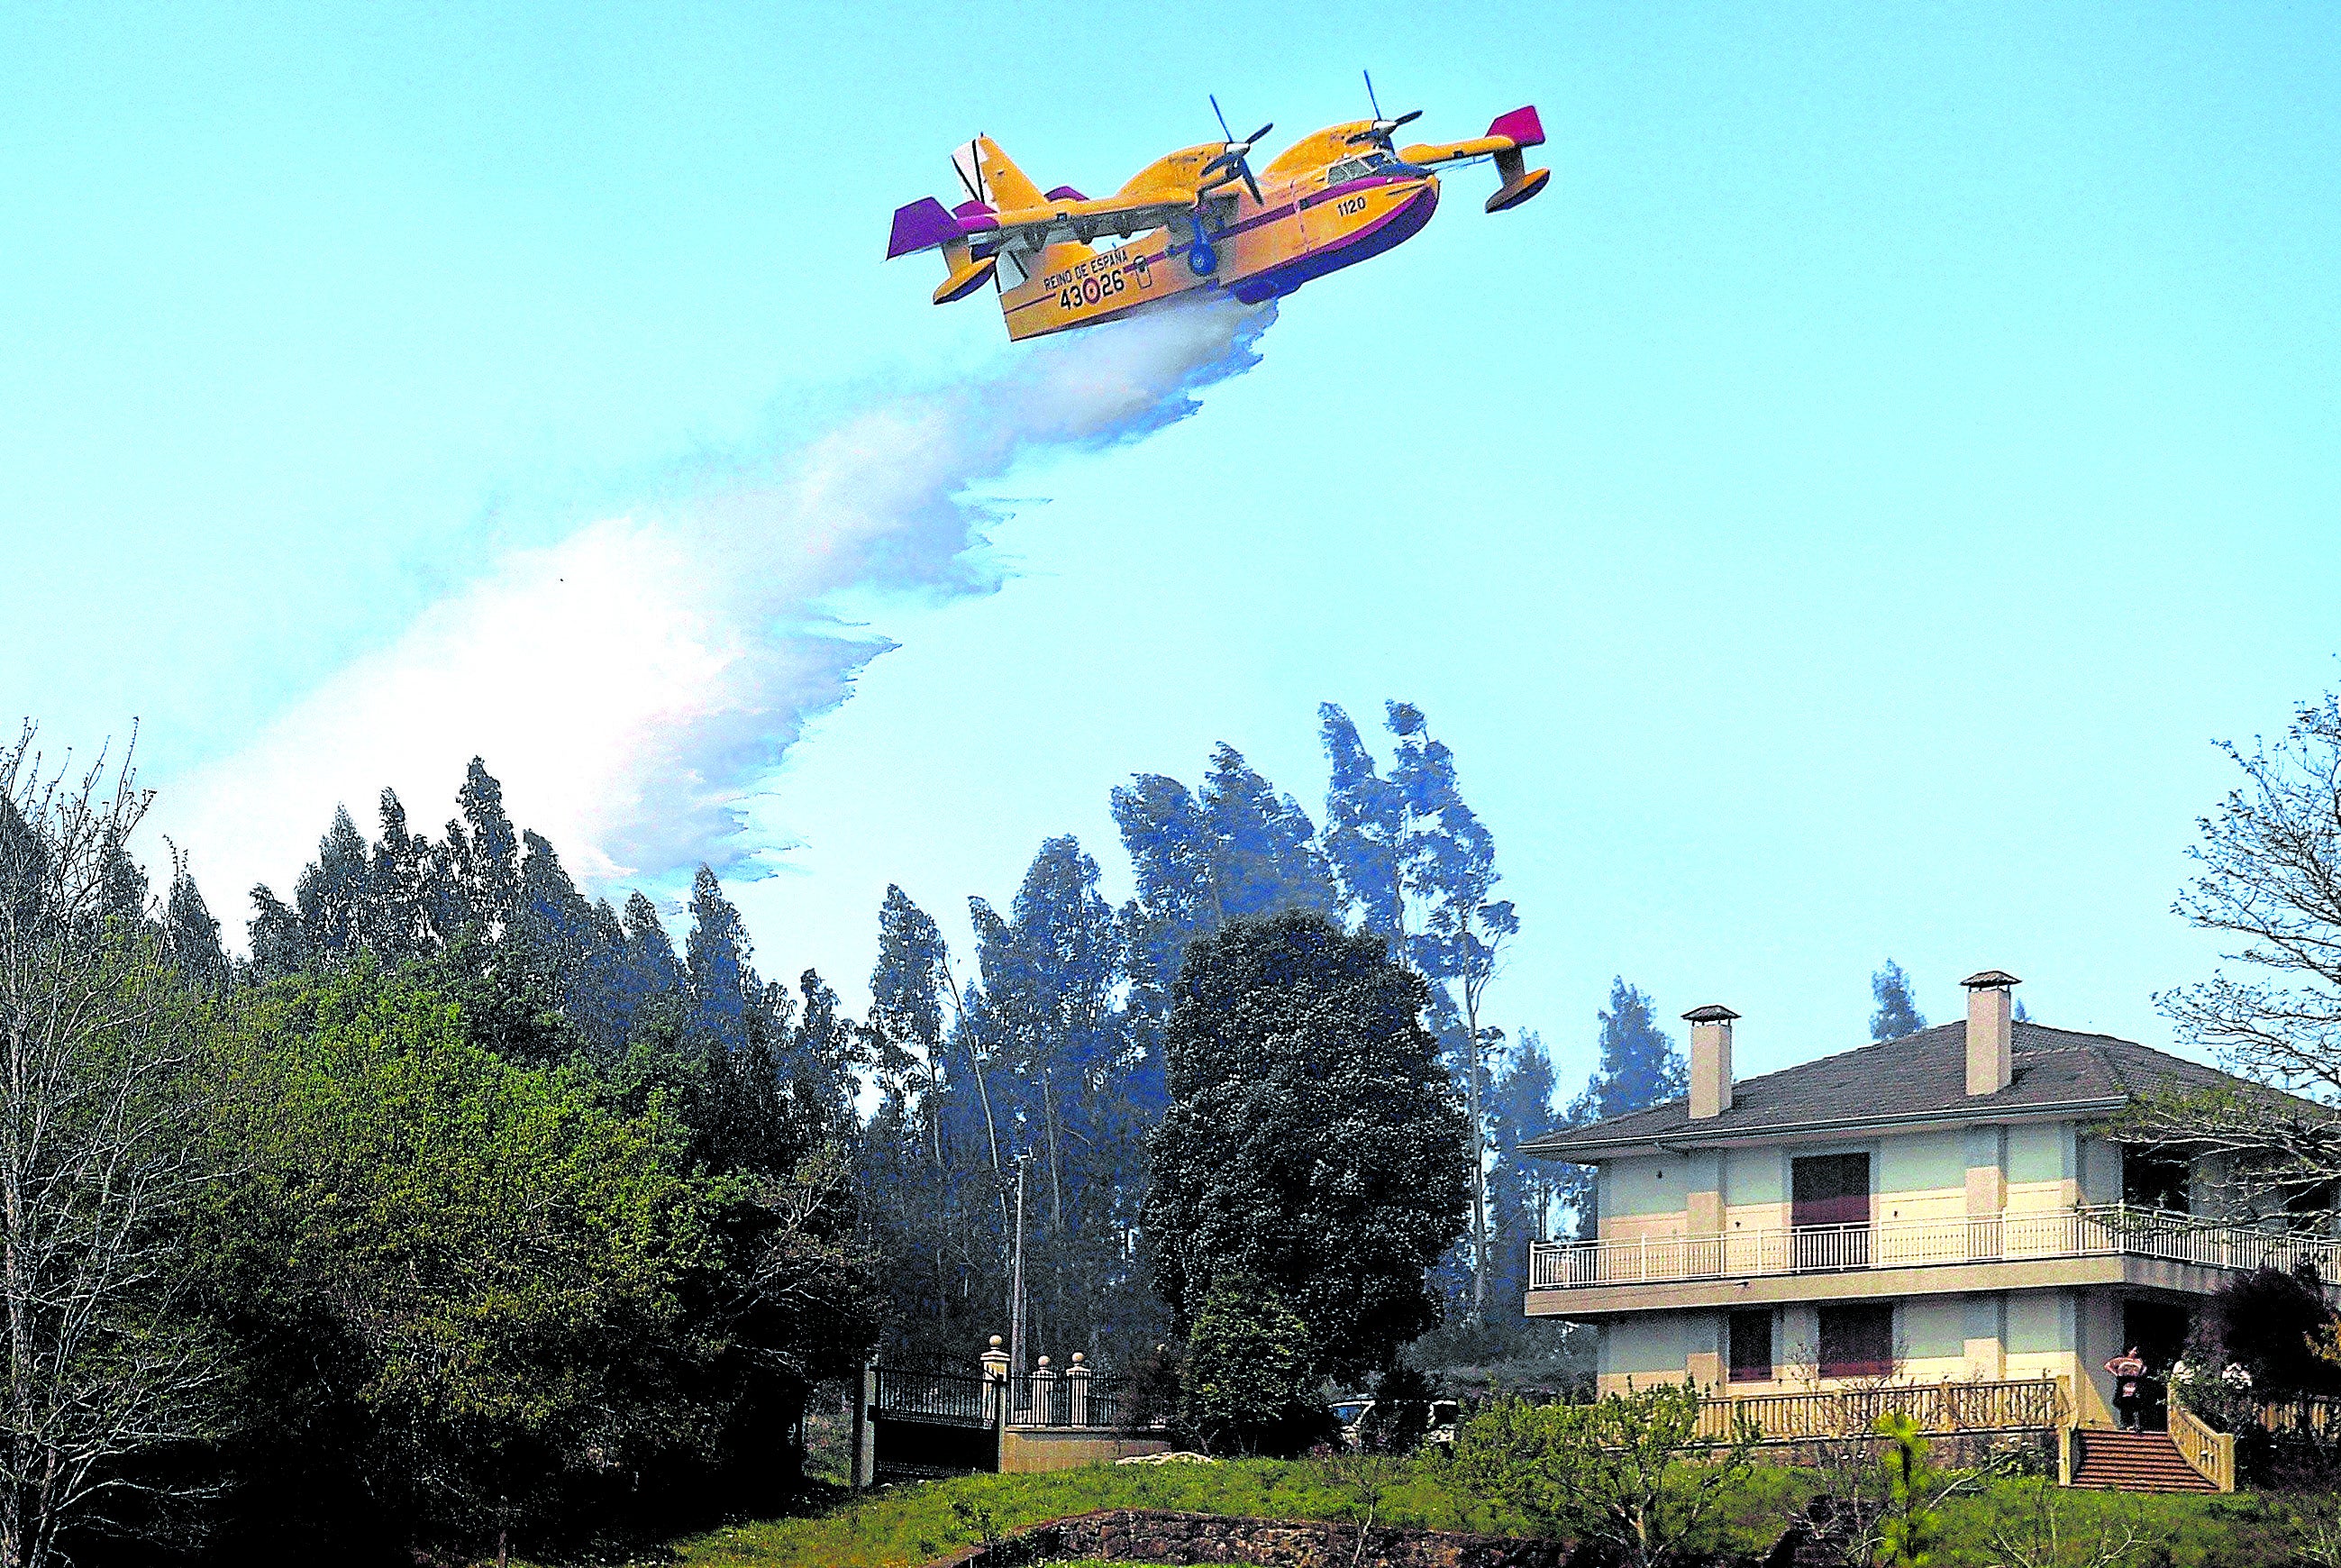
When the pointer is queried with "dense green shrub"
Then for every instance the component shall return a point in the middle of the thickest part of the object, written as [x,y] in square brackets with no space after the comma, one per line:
[461,1289]
[1247,1386]
[1613,1470]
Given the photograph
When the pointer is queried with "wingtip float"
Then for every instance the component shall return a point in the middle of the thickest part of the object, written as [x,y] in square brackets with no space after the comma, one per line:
[1198,219]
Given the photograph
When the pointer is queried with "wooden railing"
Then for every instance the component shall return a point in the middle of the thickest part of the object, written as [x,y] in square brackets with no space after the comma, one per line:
[2316,1415]
[2026,1405]
[1830,1249]
[2211,1454]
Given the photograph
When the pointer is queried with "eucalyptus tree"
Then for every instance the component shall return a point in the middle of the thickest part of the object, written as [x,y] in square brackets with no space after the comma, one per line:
[1637,1066]
[1417,867]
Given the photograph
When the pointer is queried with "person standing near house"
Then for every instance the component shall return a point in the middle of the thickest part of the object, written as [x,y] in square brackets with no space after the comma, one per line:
[2129,1372]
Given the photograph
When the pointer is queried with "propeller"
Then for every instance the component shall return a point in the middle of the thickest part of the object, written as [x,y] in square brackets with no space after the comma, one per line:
[1379,132]
[1237,154]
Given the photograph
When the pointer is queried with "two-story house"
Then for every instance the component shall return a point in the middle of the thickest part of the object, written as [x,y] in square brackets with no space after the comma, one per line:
[1940,1207]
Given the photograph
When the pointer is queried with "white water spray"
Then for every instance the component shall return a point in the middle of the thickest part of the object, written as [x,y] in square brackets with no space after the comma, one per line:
[633,685]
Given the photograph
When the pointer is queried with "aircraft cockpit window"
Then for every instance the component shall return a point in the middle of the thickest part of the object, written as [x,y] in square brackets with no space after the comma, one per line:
[1347,169]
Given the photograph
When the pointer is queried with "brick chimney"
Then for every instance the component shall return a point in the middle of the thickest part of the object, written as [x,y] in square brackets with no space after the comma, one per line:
[1990,1030]
[1710,1060]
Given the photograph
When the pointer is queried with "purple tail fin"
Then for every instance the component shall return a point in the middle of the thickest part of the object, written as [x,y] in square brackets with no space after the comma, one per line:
[1522,125]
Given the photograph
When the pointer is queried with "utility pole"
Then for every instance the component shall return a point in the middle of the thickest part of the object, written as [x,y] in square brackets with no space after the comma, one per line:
[1016,1279]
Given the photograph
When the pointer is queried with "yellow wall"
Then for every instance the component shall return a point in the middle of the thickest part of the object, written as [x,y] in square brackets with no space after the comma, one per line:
[1917,1177]
[1030,1451]
[1982,1338]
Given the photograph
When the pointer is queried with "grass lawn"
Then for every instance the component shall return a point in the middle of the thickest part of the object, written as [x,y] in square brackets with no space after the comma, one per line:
[899,1527]
[905,1526]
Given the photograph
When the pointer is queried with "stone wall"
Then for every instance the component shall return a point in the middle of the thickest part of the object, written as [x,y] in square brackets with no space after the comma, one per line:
[1152,1535]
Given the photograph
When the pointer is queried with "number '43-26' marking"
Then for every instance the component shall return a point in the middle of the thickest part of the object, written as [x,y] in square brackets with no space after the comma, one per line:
[1091,290]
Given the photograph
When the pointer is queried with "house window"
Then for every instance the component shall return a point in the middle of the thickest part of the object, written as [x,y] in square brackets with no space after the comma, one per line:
[1858,1341]
[1752,1347]
[1830,1207]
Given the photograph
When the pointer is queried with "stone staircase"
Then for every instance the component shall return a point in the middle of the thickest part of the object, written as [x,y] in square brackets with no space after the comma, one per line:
[2133,1462]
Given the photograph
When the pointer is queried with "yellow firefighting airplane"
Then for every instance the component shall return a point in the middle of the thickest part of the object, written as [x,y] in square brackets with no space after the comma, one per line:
[1198,219]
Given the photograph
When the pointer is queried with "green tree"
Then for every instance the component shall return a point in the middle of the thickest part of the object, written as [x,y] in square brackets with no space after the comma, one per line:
[1911,1526]
[1630,1472]
[1313,1142]
[1896,1013]
[1522,1192]
[472,1275]
[2268,883]
[1416,865]
[102,1157]
[1639,1068]
[1250,1386]
[1233,849]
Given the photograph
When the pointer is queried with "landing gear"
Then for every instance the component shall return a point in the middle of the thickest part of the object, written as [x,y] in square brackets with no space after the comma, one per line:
[1201,259]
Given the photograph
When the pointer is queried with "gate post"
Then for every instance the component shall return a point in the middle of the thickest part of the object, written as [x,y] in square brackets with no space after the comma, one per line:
[1044,1394]
[865,1434]
[997,1396]
[1077,1392]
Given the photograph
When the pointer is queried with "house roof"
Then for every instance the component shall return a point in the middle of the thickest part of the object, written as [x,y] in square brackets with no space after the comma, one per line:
[1919,1077]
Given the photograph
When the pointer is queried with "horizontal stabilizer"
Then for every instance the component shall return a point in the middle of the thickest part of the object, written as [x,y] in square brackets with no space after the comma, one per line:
[922,225]
[1519,183]
[966,277]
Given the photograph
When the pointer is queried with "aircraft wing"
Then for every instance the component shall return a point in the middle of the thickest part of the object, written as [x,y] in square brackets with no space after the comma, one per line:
[1510,134]
[1063,215]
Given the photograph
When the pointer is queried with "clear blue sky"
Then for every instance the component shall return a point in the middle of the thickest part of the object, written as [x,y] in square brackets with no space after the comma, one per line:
[1830,523]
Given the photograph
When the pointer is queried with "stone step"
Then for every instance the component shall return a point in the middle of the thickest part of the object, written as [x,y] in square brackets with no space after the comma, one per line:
[2134,1462]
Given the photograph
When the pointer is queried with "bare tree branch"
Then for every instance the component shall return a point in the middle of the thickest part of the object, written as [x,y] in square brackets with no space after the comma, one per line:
[2269,880]
[99,1156]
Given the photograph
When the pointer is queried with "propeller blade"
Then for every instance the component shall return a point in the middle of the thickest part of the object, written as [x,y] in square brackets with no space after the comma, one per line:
[1251,184]
[1253,140]
[1411,114]
[1230,136]
[1370,96]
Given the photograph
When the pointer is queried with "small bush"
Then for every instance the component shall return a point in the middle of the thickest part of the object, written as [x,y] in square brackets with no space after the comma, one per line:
[1629,1472]
[1247,1386]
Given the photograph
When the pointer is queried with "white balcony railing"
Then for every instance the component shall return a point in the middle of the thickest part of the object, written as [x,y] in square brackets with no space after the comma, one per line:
[2077,1232]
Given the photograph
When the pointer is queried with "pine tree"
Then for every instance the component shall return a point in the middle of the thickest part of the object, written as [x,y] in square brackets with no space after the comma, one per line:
[1897,1014]
[483,852]
[1365,831]
[334,892]
[716,955]
[651,968]
[280,944]
[403,925]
